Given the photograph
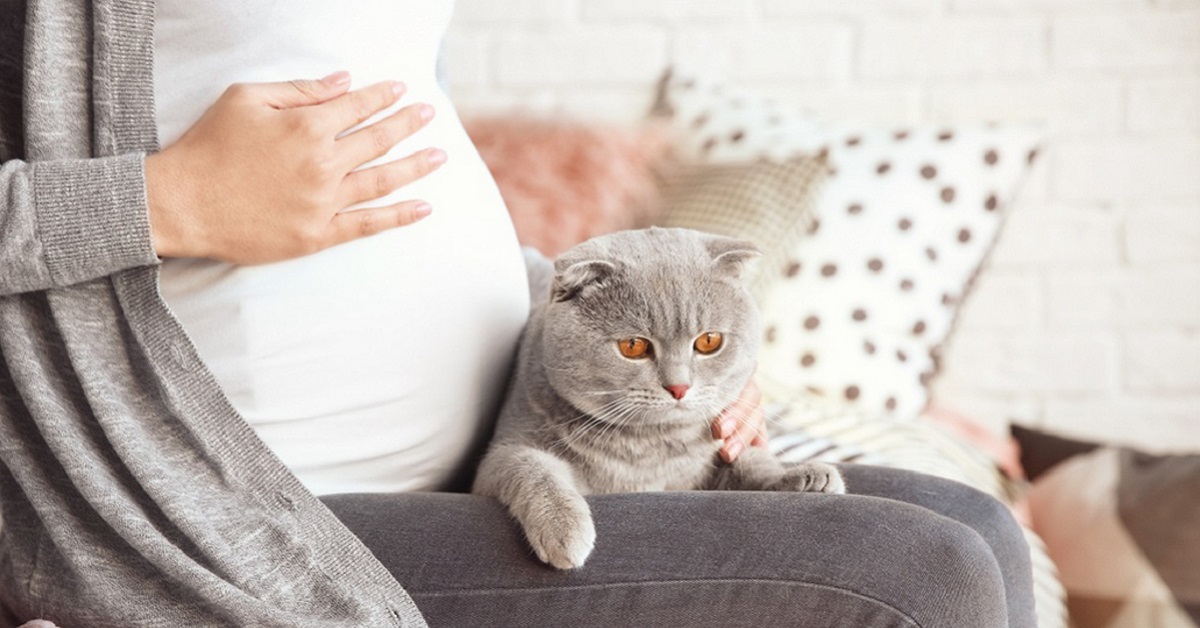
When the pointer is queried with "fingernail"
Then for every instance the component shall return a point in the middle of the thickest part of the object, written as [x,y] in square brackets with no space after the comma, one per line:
[337,79]
[399,88]
[423,210]
[731,450]
[436,157]
[728,424]
[427,112]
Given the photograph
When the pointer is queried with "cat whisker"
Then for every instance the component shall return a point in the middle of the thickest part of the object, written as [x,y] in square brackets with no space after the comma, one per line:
[597,393]
[594,432]
[771,417]
[571,438]
[744,418]
[564,443]
[635,413]
[611,421]
[602,417]
[587,416]
[601,410]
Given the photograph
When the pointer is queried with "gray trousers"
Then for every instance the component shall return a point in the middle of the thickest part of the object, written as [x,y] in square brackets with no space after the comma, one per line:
[903,549]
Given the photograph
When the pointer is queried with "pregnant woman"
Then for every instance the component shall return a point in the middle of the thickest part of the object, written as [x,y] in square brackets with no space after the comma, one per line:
[253,324]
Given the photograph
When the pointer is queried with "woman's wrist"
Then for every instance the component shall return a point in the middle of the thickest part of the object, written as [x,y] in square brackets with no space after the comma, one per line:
[164,196]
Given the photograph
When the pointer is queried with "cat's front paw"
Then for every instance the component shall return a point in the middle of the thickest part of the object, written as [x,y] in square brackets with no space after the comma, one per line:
[563,540]
[814,477]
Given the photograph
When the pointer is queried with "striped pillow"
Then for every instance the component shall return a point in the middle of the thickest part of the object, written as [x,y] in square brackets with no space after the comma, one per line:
[815,429]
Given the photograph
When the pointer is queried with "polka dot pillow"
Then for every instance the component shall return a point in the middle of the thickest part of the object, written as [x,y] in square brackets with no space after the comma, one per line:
[863,304]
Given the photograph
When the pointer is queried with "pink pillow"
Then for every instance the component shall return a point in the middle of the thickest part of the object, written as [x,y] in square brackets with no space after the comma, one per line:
[565,181]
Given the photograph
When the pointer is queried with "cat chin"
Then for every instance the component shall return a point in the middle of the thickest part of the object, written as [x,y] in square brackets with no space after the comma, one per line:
[677,415]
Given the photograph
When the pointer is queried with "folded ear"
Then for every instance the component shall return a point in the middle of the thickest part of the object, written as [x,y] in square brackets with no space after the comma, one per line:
[734,258]
[571,279]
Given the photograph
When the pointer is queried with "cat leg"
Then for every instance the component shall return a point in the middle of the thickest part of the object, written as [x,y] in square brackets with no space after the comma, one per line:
[539,489]
[759,470]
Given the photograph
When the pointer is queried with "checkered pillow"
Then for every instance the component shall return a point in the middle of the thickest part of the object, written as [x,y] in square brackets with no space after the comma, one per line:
[769,204]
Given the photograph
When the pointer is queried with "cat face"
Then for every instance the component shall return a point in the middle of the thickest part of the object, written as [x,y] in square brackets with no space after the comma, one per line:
[653,326]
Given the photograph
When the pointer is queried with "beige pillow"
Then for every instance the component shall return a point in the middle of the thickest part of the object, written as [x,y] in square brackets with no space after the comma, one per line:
[769,204]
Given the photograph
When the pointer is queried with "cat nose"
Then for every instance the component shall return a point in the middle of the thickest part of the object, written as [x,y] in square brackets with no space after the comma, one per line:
[677,390]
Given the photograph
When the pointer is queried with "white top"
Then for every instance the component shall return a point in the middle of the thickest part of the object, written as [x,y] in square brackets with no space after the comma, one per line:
[373,365]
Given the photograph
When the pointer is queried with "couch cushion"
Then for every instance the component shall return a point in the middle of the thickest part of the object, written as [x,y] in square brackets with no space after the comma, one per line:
[900,229]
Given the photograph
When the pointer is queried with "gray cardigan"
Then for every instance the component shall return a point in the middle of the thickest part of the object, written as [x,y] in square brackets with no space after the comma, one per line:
[132,493]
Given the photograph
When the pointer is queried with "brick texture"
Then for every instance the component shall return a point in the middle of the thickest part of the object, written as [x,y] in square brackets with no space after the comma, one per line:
[1126,40]
[958,48]
[676,11]
[1087,317]
[1163,234]
[1116,169]
[1163,104]
[1162,361]
[1069,106]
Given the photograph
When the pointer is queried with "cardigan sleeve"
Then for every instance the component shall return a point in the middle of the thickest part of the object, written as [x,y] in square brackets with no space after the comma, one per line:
[68,221]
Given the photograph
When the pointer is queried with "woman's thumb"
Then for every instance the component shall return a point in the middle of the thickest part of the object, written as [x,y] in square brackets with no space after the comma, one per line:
[302,92]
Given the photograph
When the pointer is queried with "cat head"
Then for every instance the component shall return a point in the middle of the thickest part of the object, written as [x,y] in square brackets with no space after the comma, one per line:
[655,325]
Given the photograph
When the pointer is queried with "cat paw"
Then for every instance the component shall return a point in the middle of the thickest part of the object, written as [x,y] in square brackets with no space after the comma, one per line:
[564,544]
[815,477]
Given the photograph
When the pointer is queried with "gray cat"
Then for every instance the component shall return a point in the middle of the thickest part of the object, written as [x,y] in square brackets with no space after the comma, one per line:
[647,336]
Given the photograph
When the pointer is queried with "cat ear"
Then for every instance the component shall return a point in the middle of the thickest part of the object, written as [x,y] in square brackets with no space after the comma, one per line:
[734,258]
[572,279]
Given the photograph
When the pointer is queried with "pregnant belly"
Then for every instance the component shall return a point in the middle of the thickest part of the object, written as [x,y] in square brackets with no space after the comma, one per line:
[372,365]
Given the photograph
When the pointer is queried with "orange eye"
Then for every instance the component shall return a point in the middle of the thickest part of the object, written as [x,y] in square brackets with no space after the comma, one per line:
[708,342]
[634,348]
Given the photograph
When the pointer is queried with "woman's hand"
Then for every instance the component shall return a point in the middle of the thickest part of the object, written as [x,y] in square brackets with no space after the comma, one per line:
[741,424]
[262,176]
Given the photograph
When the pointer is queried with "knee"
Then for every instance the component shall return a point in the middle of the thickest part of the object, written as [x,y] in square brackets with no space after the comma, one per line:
[939,572]
[955,500]
[977,506]
[970,589]
[992,520]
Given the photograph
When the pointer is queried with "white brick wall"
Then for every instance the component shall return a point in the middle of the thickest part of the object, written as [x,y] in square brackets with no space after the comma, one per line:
[1088,319]
[957,47]
[1136,38]
[1167,103]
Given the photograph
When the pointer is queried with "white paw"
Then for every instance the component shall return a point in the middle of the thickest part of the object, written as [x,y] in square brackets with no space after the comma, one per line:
[566,543]
[816,477]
